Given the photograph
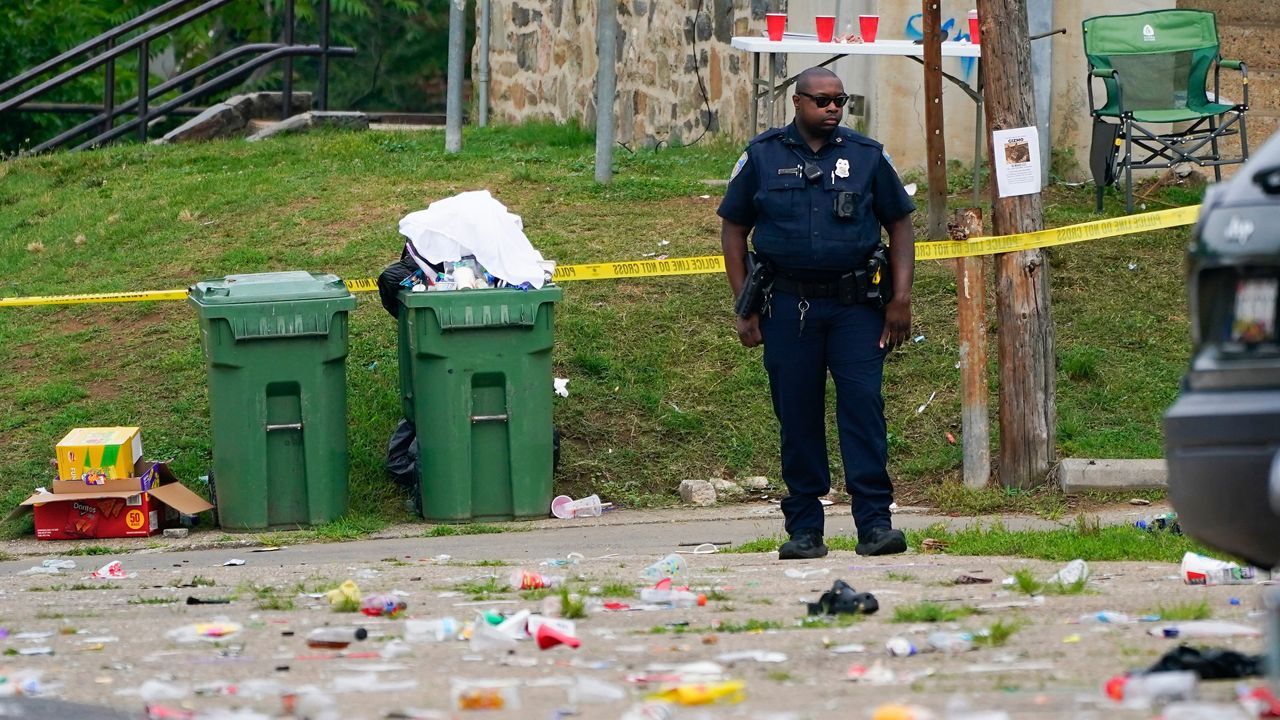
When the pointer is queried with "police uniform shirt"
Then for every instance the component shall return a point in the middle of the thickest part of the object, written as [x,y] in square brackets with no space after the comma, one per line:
[796,219]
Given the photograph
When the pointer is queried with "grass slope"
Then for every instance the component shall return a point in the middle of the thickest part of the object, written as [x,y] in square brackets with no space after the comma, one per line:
[661,389]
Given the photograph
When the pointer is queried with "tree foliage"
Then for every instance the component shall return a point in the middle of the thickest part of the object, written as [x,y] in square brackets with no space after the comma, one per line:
[401,48]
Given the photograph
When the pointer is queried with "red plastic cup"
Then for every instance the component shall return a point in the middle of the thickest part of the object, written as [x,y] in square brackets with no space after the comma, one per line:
[973,27]
[777,22]
[826,25]
[867,26]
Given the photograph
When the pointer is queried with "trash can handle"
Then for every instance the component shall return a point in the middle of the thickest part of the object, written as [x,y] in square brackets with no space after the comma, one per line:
[489,418]
[285,426]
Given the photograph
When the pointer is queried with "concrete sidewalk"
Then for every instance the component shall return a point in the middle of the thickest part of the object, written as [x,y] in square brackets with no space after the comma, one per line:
[638,532]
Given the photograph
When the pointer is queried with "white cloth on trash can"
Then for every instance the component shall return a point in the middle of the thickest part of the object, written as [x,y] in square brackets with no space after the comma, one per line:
[473,223]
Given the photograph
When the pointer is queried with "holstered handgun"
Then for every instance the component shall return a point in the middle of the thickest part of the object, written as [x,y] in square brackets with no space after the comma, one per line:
[879,278]
[755,289]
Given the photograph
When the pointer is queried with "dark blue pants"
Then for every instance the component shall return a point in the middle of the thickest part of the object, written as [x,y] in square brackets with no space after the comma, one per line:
[845,341]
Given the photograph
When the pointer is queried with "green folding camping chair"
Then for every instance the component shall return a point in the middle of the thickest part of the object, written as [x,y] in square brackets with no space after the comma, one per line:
[1154,66]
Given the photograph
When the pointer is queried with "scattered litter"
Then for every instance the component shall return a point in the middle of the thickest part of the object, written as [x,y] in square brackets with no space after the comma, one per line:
[1160,687]
[933,545]
[53,566]
[798,574]
[825,502]
[565,507]
[1029,666]
[1202,570]
[1139,501]
[671,566]
[233,562]
[437,630]
[192,600]
[586,689]
[1104,617]
[208,632]
[1204,629]
[729,691]
[899,646]
[918,339]
[1071,639]
[703,549]
[111,571]
[1164,521]
[893,711]
[267,548]
[484,694]
[368,683]
[1074,572]
[33,635]
[932,395]
[346,594]
[1133,265]
[42,650]
[842,599]
[951,438]
[760,656]
[971,580]
[561,386]
[521,579]
[383,604]
[849,649]
[572,558]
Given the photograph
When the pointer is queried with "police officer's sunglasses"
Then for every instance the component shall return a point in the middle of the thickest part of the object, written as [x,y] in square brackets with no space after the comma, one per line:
[823,100]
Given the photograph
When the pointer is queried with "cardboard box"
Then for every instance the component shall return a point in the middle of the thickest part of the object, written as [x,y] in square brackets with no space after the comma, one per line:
[128,510]
[99,454]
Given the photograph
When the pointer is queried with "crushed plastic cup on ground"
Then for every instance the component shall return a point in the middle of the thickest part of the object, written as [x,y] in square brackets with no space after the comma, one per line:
[728,691]
[486,637]
[565,507]
[671,566]
[586,689]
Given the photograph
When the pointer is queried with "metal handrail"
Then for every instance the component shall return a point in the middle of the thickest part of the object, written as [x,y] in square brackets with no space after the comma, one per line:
[213,85]
[139,106]
[88,45]
[115,52]
[157,91]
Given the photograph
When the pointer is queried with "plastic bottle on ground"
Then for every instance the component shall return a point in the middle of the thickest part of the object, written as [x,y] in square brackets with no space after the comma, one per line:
[950,642]
[899,646]
[436,630]
[1154,687]
[335,638]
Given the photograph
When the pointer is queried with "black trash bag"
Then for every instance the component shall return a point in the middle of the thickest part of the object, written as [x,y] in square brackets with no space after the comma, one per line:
[842,599]
[402,456]
[1211,663]
[389,282]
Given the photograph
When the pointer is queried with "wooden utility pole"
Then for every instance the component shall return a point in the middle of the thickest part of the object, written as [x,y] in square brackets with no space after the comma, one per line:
[1028,415]
[935,142]
[971,305]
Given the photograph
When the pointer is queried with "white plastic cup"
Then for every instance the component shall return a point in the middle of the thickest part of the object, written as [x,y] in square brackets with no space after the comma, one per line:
[670,566]
[488,637]
[565,507]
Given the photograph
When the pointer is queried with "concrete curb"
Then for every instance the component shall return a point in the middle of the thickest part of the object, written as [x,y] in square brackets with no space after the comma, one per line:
[1079,475]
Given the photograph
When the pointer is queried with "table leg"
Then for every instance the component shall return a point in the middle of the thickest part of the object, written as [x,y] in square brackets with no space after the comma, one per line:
[755,93]
[978,133]
[768,100]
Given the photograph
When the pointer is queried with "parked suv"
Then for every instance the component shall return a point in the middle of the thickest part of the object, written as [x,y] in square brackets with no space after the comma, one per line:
[1222,435]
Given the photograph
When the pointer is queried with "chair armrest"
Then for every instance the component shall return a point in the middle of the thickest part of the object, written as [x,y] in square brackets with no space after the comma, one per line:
[1102,72]
[1233,65]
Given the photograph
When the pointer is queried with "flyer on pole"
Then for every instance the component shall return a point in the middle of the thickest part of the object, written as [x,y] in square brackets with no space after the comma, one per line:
[1017,157]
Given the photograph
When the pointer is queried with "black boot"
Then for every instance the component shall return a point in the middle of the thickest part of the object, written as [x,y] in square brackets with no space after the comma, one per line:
[803,545]
[881,541]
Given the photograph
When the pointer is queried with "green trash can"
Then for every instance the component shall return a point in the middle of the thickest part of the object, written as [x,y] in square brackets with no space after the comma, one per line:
[475,372]
[275,345]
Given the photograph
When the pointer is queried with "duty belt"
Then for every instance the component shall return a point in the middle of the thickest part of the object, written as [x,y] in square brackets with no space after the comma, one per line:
[810,289]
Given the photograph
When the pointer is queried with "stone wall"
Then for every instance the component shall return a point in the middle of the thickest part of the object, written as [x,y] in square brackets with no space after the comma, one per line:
[543,65]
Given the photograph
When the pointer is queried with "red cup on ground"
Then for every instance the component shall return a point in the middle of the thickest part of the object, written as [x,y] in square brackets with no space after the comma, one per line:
[826,25]
[973,27]
[867,26]
[777,22]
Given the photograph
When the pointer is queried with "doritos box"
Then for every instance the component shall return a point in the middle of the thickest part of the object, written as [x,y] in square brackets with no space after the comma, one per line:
[95,455]
[125,507]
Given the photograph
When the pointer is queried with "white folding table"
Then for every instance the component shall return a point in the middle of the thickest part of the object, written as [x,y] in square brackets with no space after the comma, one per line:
[770,89]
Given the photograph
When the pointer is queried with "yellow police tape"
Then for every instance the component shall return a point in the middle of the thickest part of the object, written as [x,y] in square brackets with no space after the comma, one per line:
[936,250]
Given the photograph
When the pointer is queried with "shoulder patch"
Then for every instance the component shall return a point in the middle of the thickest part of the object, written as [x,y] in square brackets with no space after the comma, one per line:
[737,167]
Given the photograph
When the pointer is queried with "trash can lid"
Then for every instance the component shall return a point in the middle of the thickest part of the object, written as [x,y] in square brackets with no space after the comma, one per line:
[269,287]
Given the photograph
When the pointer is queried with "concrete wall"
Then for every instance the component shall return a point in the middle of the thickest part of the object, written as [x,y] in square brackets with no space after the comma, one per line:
[543,66]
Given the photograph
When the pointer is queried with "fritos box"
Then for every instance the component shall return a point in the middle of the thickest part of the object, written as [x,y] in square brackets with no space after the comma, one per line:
[95,455]
[136,506]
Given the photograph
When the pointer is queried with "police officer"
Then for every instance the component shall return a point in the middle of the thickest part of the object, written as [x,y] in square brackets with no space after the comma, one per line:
[817,195]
